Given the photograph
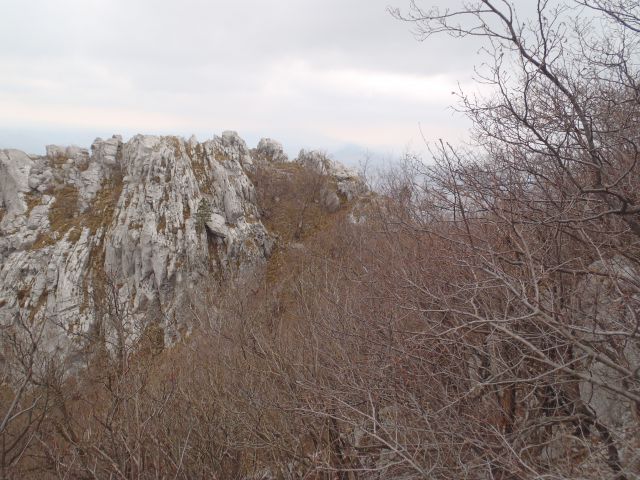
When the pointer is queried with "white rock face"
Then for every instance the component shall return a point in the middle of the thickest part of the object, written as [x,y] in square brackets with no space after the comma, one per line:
[348,182]
[15,167]
[270,151]
[131,212]
[320,162]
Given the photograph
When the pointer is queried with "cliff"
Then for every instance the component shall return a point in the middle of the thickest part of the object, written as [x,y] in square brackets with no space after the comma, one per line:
[141,224]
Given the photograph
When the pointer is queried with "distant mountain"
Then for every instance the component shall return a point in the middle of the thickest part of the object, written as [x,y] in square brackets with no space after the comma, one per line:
[358,156]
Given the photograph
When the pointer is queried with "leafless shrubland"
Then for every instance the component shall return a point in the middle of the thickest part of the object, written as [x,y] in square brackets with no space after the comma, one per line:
[481,322]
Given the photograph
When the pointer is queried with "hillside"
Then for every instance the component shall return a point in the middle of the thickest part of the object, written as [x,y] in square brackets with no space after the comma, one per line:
[180,309]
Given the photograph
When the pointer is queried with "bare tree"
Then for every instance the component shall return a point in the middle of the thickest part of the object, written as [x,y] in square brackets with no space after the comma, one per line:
[25,404]
[542,218]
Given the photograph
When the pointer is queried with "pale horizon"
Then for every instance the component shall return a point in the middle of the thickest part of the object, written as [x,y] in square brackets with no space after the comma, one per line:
[333,77]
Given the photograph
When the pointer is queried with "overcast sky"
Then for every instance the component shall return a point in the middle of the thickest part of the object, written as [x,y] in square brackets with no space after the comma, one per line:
[339,75]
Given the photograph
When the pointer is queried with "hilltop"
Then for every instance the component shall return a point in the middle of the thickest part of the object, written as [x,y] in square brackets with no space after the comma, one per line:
[146,225]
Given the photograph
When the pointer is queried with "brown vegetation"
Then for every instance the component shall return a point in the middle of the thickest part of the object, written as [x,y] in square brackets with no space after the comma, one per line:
[481,323]
[65,215]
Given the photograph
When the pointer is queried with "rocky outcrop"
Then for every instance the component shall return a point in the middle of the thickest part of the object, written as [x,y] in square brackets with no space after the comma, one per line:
[269,151]
[152,218]
[347,182]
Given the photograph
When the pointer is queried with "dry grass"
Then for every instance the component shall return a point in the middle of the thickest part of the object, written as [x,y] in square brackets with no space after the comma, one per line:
[58,160]
[64,210]
[220,156]
[74,234]
[33,200]
[62,216]
[198,159]
[35,309]
[186,209]
[23,295]
[65,216]
[162,224]
[290,197]
[100,212]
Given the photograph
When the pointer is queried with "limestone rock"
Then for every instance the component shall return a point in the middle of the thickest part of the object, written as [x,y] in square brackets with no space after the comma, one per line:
[149,221]
[348,181]
[270,151]
[124,213]
[15,167]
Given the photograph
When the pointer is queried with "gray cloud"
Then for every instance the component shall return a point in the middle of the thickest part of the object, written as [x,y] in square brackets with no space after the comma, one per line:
[310,73]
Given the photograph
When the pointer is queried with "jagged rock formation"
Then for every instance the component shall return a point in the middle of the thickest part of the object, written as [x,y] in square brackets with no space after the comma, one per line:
[270,151]
[152,217]
[347,180]
[152,220]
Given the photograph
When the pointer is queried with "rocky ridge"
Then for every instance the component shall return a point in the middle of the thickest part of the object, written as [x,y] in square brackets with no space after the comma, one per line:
[149,219]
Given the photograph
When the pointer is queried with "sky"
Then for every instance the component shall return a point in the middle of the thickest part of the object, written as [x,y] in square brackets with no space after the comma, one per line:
[336,75]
